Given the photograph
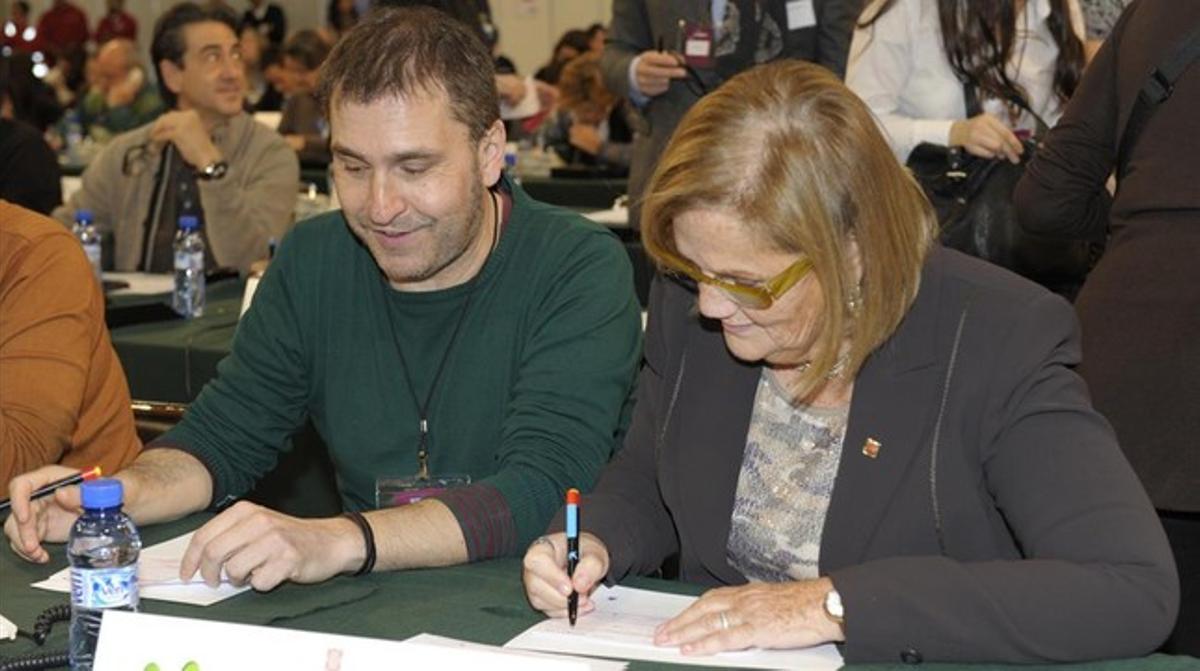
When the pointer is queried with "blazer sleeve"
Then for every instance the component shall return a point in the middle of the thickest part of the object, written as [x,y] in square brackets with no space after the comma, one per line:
[626,509]
[628,36]
[1095,578]
[1063,189]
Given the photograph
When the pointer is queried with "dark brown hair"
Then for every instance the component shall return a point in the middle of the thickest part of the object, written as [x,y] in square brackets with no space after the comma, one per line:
[307,48]
[168,43]
[978,37]
[409,50]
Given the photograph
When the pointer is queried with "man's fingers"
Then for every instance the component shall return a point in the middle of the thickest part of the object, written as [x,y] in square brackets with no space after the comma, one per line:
[198,547]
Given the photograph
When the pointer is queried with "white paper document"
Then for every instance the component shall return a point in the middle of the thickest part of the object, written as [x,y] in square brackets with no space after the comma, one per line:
[136,640]
[142,283]
[455,644]
[158,577]
[8,630]
[613,217]
[622,626]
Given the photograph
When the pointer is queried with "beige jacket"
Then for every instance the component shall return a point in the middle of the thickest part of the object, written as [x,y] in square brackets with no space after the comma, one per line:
[243,210]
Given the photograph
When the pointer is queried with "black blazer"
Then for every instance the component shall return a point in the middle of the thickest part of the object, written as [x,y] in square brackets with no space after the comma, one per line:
[1015,533]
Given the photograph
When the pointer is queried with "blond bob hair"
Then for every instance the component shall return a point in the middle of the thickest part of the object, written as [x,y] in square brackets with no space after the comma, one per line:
[798,158]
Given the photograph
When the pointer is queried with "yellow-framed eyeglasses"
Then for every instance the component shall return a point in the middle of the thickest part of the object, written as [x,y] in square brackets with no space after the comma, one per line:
[757,296]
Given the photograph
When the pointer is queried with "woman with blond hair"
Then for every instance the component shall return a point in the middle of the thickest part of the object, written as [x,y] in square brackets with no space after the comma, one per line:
[857,435]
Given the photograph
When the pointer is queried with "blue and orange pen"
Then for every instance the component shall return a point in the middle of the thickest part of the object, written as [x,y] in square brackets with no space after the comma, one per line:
[572,551]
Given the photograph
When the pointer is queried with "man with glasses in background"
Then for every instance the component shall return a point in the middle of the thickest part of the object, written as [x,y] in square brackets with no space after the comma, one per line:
[205,157]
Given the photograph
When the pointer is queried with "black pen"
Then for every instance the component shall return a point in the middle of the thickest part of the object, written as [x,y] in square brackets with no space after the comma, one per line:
[49,489]
[572,551]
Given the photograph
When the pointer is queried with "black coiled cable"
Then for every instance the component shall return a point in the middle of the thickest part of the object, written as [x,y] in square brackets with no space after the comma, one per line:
[41,631]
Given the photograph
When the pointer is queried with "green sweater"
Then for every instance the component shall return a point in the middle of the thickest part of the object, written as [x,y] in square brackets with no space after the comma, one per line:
[531,402]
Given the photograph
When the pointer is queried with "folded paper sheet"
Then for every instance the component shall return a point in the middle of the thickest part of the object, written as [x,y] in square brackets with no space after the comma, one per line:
[158,577]
[622,626]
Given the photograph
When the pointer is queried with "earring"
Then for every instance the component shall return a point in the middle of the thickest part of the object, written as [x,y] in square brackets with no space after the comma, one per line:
[854,298]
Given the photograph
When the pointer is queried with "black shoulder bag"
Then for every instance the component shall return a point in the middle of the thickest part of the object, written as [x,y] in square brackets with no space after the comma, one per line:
[973,200]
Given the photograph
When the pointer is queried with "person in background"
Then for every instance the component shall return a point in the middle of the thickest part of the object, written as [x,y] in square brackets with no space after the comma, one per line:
[303,124]
[909,59]
[63,30]
[570,45]
[597,34]
[205,157]
[29,172]
[1140,306]
[853,434]
[116,23]
[31,100]
[262,92]
[1100,17]
[63,395]
[593,127]
[17,33]
[340,16]
[123,97]
[442,322]
[644,58]
[268,18]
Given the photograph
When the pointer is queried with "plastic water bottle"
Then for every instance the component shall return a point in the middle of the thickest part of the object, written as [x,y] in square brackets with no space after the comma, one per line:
[511,151]
[87,235]
[73,126]
[103,550]
[188,299]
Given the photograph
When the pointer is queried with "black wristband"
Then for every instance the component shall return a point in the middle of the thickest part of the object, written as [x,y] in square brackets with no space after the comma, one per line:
[368,538]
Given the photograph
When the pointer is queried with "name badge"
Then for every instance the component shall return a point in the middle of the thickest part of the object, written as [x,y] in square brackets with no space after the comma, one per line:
[697,46]
[801,14]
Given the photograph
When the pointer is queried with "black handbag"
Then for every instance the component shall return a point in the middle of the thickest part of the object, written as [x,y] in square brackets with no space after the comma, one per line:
[973,200]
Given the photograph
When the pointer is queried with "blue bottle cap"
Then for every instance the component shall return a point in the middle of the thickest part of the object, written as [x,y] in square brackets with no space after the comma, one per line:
[102,493]
[189,222]
[83,216]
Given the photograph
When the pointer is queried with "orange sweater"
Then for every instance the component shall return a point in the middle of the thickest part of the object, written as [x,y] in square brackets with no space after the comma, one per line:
[63,395]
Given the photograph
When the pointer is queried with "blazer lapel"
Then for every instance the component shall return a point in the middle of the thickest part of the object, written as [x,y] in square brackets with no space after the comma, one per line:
[715,402]
[896,397]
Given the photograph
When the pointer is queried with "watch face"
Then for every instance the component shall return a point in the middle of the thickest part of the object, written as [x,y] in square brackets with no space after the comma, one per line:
[833,605]
[214,170]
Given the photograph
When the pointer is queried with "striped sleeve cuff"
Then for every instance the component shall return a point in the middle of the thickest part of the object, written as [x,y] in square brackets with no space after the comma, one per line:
[486,521]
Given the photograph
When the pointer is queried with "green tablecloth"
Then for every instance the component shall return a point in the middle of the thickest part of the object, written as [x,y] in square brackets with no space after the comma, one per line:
[481,602]
[171,360]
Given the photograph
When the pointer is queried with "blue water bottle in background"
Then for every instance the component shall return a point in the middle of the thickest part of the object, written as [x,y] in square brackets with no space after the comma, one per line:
[188,299]
[103,551]
[73,135]
[87,235]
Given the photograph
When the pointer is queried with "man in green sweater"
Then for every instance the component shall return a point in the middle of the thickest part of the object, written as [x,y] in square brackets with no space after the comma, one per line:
[443,322]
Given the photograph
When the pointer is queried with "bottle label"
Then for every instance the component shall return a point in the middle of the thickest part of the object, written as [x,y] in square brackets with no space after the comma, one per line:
[104,587]
[189,260]
[93,254]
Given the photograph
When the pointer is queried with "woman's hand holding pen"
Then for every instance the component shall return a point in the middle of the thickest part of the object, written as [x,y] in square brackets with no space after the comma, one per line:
[655,70]
[47,519]
[545,573]
[757,615]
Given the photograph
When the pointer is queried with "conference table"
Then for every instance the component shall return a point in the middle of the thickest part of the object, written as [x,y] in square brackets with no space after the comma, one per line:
[482,602]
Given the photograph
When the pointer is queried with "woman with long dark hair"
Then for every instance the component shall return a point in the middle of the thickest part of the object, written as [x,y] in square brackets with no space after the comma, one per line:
[909,60]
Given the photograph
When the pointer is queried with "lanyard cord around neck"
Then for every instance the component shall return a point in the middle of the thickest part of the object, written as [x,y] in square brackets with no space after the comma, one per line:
[423,407]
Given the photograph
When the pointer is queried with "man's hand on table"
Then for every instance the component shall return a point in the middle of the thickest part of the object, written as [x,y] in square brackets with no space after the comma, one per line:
[48,519]
[263,548]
